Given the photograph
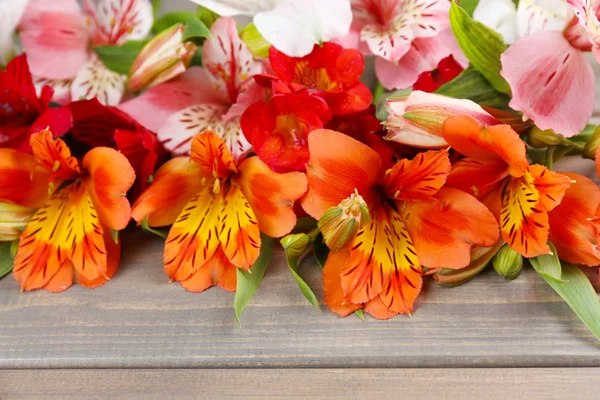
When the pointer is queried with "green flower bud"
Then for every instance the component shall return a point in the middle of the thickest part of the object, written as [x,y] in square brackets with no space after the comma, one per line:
[540,139]
[295,244]
[340,224]
[13,220]
[508,263]
[589,151]
[480,258]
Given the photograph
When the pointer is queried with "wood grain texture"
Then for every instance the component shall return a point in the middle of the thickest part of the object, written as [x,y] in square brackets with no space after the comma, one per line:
[140,320]
[491,384]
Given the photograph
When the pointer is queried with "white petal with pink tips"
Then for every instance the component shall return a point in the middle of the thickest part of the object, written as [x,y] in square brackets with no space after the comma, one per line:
[117,21]
[61,87]
[552,82]
[178,131]
[95,80]
[535,16]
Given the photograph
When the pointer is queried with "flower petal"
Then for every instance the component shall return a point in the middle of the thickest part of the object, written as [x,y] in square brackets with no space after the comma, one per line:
[587,13]
[64,230]
[295,26]
[378,310]
[238,229]
[174,185]
[333,176]
[94,80]
[109,177]
[571,230]
[236,7]
[332,284]
[54,53]
[271,195]
[228,60]
[179,129]
[444,230]
[209,150]
[193,238]
[61,87]
[538,67]
[500,15]
[217,271]
[113,257]
[21,182]
[54,156]
[477,177]
[10,15]
[117,21]
[486,143]
[423,55]
[419,178]
[535,16]
[156,104]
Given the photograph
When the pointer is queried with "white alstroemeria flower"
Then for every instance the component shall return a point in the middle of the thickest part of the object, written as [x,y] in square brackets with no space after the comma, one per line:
[292,26]
[10,15]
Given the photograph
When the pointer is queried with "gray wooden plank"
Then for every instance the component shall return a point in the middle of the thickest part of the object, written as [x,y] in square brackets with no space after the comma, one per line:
[491,384]
[140,320]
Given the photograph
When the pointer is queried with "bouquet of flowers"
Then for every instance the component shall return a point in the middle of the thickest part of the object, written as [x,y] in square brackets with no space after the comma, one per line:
[250,122]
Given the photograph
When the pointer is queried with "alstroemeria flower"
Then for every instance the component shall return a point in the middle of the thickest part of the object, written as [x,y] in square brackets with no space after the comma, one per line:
[57,37]
[496,170]
[415,222]
[292,26]
[218,208]
[279,129]
[546,58]
[212,97]
[328,71]
[78,203]
[417,119]
[22,112]
[588,12]
[408,37]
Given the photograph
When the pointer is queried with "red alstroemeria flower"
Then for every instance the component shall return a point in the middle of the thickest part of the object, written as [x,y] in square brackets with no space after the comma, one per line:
[430,81]
[496,170]
[328,71]
[21,111]
[68,238]
[218,208]
[278,130]
[414,222]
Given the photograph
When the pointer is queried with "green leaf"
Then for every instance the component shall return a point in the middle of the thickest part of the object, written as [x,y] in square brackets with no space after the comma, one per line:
[156,5]
[548,265]
[249,281]
[481,45]
[195,29]
[470,84]
[360,314]
[6,259]
[469,6]
[292,262]
[120,58]
[321,251]
[172,18]
[157,232]
[579,294]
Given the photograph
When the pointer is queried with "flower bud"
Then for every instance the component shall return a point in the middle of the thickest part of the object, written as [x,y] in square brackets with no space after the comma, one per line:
[540,139]
[508,263]
[295,244]
[480,258]
[417,120]
[256,43]
[589,150]
[13,220]
[340,224]
[163,58]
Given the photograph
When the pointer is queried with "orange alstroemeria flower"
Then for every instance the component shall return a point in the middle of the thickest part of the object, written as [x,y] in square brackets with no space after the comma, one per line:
[496,170]
[218,210]
[415,222]
[68,238]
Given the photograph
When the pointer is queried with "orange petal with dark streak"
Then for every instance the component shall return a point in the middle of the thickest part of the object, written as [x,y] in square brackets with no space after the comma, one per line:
[217,271]
[332,284]
[211,152]
[378,310]
[54,156]
[113,257]
[20,181]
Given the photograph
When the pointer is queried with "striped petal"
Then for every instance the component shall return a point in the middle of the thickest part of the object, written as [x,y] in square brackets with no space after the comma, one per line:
[572,228]
[383,261]
[238,229]
[117,21]
[217,271]
[179,129]
[332,284]
[94,80]
[535,16]
[209,150]
[525,206]
[54,156]
[193,238]
[65,231]
[61,87]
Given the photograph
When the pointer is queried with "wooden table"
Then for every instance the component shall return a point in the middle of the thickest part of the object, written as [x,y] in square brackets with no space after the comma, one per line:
[153,339]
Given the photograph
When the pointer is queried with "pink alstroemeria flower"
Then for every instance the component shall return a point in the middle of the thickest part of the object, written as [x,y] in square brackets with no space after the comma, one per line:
[209,98]
[408,37]
[551,80]
[57,36]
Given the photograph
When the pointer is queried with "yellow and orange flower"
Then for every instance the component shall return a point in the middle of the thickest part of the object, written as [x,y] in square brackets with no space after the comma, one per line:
[414,222]
[78,204]
[496,170]
[218,210]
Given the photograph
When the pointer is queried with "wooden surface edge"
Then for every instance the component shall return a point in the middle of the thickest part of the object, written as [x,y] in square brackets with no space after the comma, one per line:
[488,383]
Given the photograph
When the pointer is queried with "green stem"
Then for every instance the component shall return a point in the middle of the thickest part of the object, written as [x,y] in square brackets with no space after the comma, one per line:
[550,157]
